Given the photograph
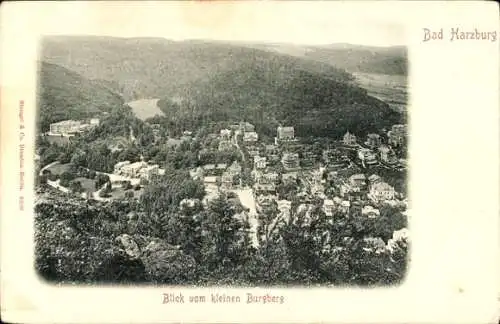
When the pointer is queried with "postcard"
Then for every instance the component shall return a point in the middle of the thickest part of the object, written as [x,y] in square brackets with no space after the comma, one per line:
[249,162]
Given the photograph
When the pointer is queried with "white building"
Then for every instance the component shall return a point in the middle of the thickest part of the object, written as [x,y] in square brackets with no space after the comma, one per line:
[259,162]
[132,170]
[119,166]
[370,212]
[286,133]
[149,172]
[328,207]
[381,191]
[94,121]
[284,205]
[225,134]
[250,137]
[65,127]
[210,180]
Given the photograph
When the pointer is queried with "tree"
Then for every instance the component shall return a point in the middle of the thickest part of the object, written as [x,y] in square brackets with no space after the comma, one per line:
[92,174]
[223,232]
[67,176]
[101,179]
[42,179]
[76,186]
[78,158]
[106,191]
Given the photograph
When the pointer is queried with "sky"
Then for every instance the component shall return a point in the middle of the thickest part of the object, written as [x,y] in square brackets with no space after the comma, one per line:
[299,22]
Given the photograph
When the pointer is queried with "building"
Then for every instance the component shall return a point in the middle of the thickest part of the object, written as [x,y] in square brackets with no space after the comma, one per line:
[290,161]
[318,189]
[375,245]
[225,145]
[373,140]
[136,170]
[358,180]
[374,178]
[246,127]
[209,168]
[132,170]
[197,173]
[271,177]
[264,187]
[286,133]
[225,134]
[228,180]
[149,171]
[381,191]
[221,166]
[250,137]
[367,156]
[259,162]
[349,139]
[328,207]
[211,180]
[354,186]
[387,155]
[284,205]
[271,149]
[289,176]
[265,178]
[94,121]
[332,175]
[397,135]
[235,168]
[66,127]
[189,203]
[308,159]
[345,205]
[370,212]
[119,166]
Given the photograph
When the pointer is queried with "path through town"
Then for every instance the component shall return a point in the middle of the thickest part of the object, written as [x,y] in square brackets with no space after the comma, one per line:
[247,200]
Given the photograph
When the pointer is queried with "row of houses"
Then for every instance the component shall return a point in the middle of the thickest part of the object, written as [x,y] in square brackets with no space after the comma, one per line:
[358,185]
[396,137]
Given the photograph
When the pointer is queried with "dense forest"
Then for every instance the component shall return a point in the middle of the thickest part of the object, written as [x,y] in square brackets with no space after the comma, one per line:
[269,95]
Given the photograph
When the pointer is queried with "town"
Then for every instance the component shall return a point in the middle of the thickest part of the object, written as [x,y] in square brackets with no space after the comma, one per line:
[284,172]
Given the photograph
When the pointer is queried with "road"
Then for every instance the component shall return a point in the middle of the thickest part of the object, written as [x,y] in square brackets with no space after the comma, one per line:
[95,194]
[247,200]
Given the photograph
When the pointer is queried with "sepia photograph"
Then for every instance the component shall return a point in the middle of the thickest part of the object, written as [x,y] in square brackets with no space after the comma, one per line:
[249,162]
[209,162]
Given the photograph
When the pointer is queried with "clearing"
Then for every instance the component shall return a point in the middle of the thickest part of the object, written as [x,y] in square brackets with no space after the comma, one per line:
[58,168]
[392,89]
[145,108]
[88,185]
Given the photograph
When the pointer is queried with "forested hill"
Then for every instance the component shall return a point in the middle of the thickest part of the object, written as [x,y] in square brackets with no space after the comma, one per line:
[155,67]
[214,81]
[353,58]
[270,93]
[63,94]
